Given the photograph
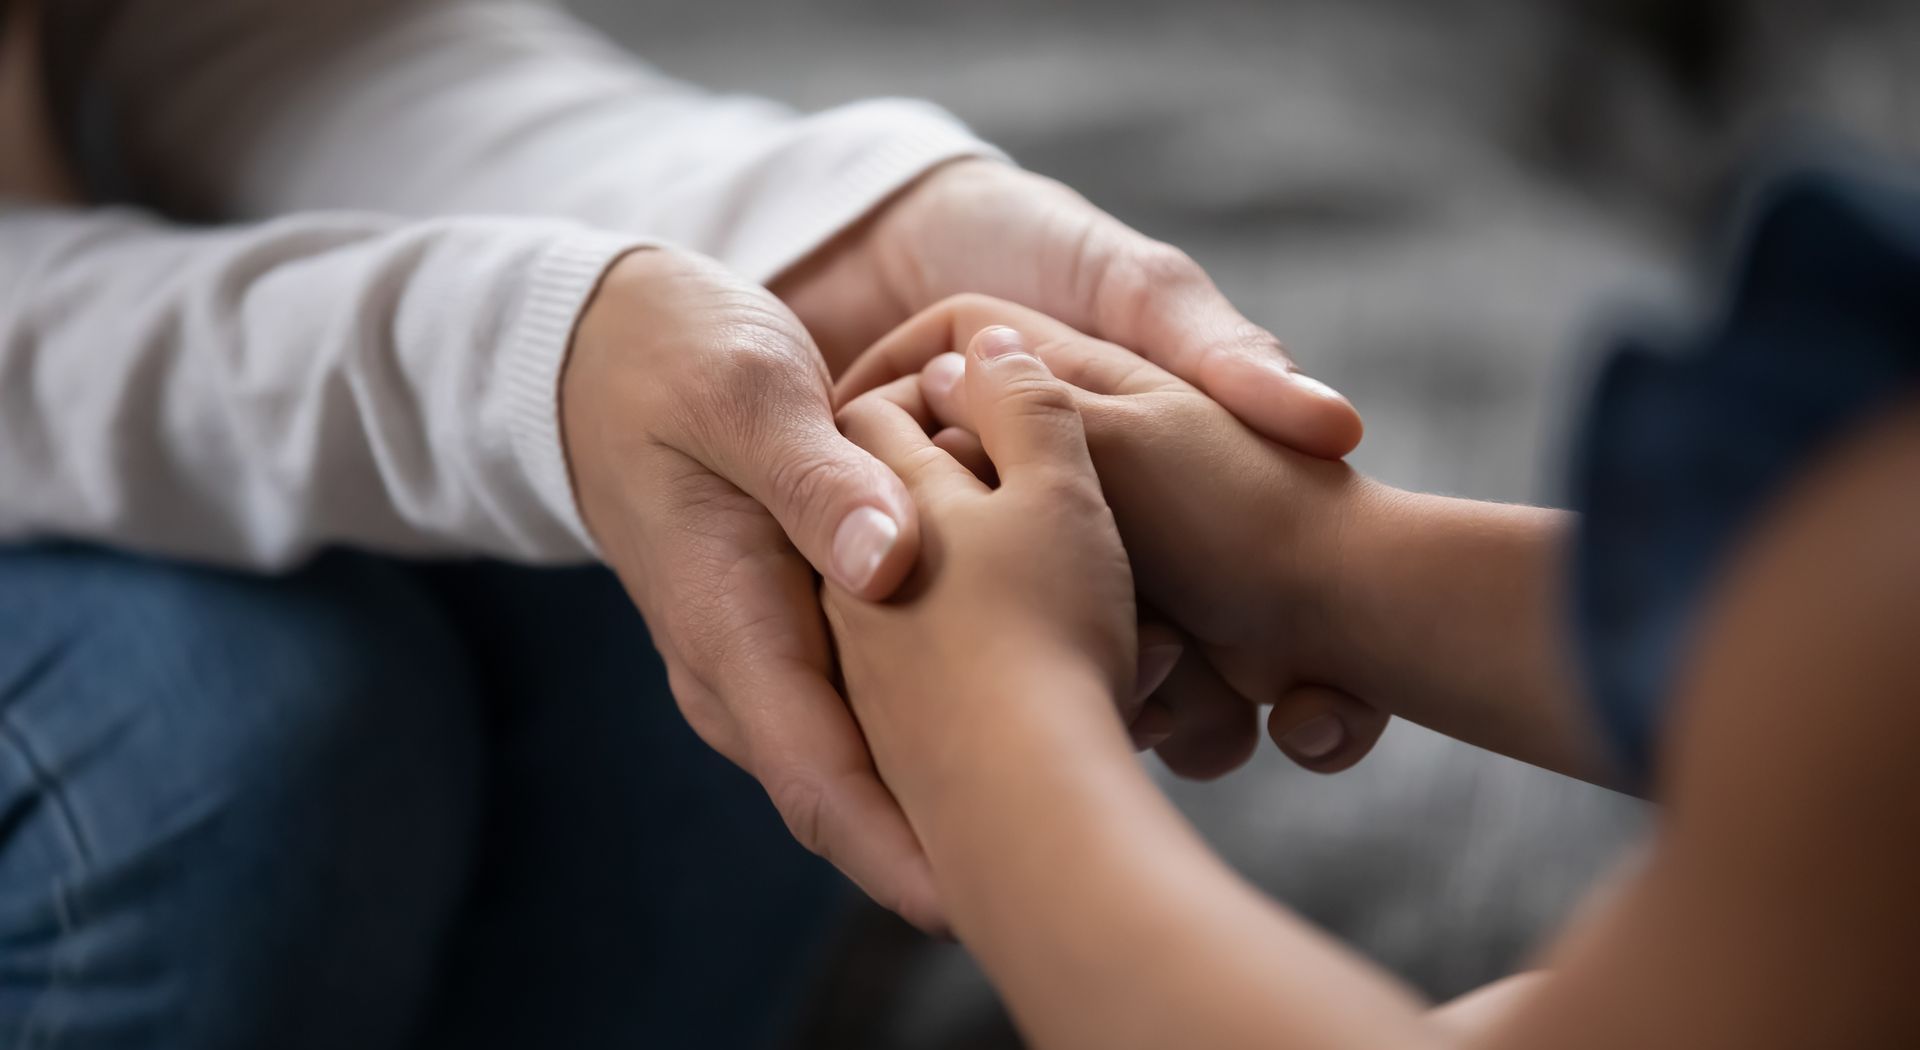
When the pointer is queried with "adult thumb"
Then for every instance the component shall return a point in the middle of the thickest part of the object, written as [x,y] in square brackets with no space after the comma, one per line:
[845,511]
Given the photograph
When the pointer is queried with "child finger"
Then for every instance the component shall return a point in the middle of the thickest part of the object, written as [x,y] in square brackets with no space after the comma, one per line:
[901,352]
[1088,363]
[965,447]
[943,384]
[1026,418]
[882,424]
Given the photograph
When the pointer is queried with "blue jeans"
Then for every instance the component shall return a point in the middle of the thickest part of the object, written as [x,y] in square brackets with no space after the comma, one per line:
[372,805]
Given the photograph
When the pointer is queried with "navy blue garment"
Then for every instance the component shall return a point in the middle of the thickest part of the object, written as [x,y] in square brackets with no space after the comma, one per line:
[1684,449]
[372,805]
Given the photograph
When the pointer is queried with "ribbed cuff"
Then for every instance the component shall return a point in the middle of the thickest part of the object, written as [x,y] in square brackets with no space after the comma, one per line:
[840,165]
[562,282]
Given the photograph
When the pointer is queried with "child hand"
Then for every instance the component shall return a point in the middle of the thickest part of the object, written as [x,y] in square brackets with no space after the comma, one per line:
[1022,595]
[1232,536]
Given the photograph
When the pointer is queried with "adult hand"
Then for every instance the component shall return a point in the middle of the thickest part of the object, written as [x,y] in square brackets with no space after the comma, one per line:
[986,227]
[983,226]
[698,422]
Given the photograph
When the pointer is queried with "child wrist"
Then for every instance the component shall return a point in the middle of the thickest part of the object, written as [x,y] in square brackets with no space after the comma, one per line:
[1013,708]
[1323,571]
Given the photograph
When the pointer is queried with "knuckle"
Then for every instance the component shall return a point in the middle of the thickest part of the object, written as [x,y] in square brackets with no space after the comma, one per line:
[754,359]
[1037,394]
[808,485]
[747,334]
[1157,264]
[1042,407]
[751,382]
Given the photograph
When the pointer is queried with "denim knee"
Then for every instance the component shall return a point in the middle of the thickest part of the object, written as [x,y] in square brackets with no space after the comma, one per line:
[238,811]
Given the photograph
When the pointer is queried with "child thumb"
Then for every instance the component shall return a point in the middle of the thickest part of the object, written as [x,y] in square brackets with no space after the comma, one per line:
[1025,416]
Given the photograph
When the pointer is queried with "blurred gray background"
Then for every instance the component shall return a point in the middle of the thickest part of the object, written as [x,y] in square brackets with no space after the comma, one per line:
[1443,208]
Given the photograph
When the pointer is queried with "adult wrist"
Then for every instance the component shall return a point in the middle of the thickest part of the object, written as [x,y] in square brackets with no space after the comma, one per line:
[839,166]
[540,344]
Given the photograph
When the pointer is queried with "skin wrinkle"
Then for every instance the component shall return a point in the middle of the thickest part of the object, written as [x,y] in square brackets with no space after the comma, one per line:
[654,359]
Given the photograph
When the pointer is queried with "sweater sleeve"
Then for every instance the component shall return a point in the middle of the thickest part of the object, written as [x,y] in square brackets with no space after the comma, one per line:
[434,107]
[245,395]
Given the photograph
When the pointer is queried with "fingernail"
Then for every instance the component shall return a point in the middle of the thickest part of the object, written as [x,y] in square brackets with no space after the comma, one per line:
[1156,663]
[1315,387]
[861,544]
[998,341]
[1317,737]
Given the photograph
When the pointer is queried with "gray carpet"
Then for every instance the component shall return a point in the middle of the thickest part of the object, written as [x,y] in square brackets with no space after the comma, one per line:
[1443,208]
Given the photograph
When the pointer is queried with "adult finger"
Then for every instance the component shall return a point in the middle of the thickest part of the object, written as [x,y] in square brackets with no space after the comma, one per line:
[950,325]
[1155,300]
[1026,418]
[944,390]
[813,761]
[738,607]
[771,433]
[891,423]
[900,352]
[1324,729]
[943,384]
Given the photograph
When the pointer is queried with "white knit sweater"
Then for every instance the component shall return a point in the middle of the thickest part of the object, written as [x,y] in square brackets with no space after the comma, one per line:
[406,206]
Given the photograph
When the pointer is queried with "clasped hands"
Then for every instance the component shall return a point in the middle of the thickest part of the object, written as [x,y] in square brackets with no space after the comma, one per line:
[697,409]
[1069,489]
